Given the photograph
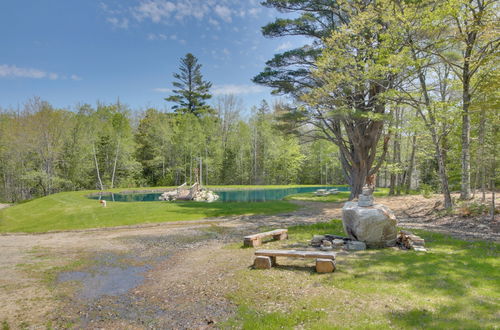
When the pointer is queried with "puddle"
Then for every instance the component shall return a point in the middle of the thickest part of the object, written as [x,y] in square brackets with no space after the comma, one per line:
[110,276]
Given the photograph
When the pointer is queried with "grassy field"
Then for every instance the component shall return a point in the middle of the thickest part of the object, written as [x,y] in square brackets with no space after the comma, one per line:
[341,196]
[73,210]
[453,286]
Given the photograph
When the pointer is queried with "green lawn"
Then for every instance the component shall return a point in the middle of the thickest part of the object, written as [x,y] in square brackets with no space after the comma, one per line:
[73,210]
[342,196]
[456,285]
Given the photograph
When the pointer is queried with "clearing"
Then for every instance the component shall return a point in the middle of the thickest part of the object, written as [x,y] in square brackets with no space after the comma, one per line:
[192,274]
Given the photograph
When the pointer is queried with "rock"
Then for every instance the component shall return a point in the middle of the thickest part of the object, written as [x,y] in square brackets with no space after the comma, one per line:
[326,243]
[355,246]
[419,248]
[262,262]
[375,225]
[326,248]
[317,239]
[338,242]
[366,197]
[325,265]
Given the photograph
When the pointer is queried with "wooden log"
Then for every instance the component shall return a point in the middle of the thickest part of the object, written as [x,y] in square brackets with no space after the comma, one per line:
[256,239]
[262,262]
[325,265]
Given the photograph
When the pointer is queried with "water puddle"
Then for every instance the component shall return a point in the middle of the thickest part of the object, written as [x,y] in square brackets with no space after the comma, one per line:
[110,276]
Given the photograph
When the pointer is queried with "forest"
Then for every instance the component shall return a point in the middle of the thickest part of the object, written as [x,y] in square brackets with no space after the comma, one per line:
[403,91]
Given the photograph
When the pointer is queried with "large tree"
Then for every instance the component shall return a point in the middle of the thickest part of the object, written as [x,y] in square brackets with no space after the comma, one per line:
[339,78]
[191,90]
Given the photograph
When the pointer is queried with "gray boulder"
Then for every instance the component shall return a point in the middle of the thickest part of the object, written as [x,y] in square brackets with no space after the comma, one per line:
[375,225]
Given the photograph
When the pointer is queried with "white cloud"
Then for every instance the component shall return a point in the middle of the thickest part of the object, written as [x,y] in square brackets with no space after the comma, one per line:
[118,23]
[162,90]
[213,21]
[169,11]
[254,11]
[13,71]
[155,10]
[224,13]
[284,46]
[159,36]
[237,89]
[75,77]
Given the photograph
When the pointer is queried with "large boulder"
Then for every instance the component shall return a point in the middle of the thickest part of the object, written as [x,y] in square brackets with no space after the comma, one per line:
[375,225]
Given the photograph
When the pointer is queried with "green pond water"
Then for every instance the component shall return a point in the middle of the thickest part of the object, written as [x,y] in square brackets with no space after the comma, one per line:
[249,195]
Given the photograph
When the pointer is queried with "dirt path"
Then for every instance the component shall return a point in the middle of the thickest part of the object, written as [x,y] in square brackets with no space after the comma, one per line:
[172,275]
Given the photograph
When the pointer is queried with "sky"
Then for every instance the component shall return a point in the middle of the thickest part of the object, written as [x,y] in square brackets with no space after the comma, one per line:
[69,52]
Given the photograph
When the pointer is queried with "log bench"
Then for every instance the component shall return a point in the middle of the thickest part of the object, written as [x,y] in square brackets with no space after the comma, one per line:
[256,239]
[325,261]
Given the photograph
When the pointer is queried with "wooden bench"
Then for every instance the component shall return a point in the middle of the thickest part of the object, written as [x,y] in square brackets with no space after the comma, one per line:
[256,239]
[325,261]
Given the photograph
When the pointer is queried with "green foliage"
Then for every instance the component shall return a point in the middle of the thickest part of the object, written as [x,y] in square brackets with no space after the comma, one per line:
[426,190]
[470,209]
[191,90]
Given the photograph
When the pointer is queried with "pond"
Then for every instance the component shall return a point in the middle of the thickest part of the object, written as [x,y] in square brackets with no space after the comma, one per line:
[248,195]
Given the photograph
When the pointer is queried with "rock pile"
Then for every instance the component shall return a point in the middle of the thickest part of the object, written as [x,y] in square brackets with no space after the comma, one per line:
[205,196]
[330,242]
[201,195]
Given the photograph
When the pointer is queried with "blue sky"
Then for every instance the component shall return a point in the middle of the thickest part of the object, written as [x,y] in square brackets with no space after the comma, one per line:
[69,52]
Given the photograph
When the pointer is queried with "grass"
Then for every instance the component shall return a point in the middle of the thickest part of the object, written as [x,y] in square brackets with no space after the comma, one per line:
[453,286]
[341,196]
[73,210]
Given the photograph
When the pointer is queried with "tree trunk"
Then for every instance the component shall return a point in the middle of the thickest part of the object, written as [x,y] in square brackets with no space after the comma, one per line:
[443,175]
[411,164]
[97,167]
[481,163]
[465,184]
[115,163]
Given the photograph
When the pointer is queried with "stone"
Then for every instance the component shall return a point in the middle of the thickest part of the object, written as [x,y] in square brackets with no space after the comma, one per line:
[365,201]
[326,243]
[317,239]
[262,262]
[374,225]
[325,265]
[355,246]
[366,197]
[419,248]
[326,248]
[338,242]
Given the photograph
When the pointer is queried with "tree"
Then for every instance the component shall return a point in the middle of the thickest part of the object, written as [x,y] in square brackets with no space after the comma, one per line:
[191,90]
[340,78]
[468,42]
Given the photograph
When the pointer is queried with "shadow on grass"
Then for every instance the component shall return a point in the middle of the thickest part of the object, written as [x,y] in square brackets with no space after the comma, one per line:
[454,285]
[450,316]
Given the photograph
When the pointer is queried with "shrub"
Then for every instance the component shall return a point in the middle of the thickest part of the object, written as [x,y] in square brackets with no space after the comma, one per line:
[426,190]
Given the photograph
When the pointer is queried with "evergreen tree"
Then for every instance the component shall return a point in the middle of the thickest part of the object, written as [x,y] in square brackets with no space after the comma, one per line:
[191,90]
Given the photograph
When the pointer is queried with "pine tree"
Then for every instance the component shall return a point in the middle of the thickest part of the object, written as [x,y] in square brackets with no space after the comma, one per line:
[191,90]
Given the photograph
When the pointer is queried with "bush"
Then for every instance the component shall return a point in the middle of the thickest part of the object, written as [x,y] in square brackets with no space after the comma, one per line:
[426,190]
[469,209]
